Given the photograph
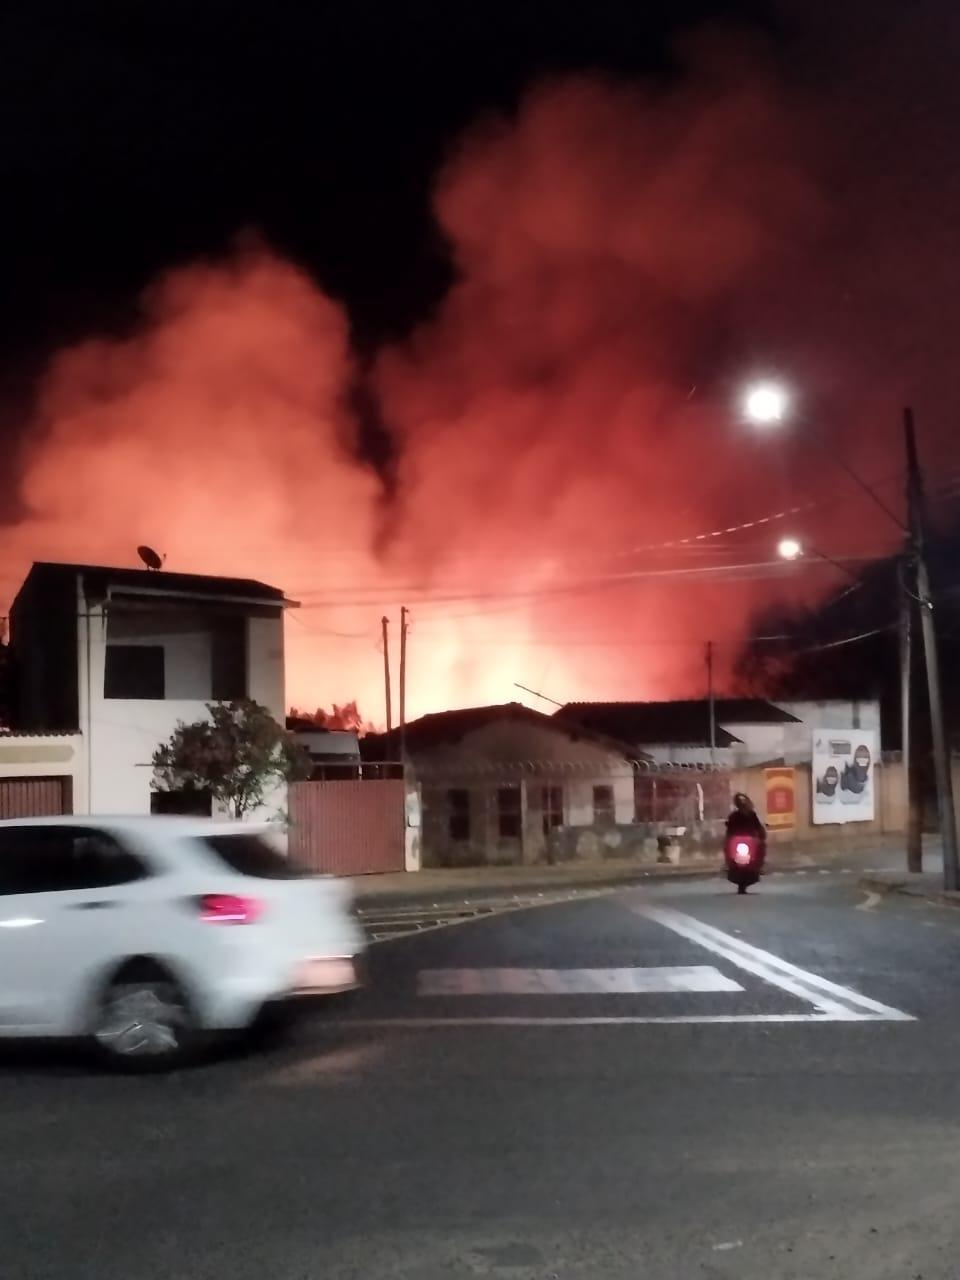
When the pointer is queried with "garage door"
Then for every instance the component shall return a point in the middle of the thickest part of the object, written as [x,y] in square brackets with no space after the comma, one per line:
[35,797]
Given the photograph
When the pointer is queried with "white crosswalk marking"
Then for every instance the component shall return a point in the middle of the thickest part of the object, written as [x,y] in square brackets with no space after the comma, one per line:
[571,982]
[829,999]
[826,1001]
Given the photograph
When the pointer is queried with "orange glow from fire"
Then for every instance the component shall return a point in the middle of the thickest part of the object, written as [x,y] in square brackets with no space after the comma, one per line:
[547,418]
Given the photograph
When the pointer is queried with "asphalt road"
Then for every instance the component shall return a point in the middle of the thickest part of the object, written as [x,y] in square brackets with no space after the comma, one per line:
[667,1082]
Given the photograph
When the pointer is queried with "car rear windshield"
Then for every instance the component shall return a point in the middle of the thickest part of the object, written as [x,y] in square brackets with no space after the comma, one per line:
[251,855]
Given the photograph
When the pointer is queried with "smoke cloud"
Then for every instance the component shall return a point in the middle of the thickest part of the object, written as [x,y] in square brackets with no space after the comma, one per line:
[621,257]
[217,434]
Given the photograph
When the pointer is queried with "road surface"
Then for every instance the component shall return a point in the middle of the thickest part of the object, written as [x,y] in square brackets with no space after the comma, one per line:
[666,1082]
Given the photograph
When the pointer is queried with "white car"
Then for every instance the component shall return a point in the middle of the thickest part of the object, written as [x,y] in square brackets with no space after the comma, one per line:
[146,933]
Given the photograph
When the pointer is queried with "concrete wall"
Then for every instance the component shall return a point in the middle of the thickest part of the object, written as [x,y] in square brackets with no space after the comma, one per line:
[890,807]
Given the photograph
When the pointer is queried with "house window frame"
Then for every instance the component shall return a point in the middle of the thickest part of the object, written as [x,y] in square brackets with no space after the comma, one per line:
[552,806]
[510,816]
[605,807]
[458,813]
[120,682]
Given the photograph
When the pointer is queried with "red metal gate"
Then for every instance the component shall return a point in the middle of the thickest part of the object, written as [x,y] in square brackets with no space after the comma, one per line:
[35,797]
[348,827]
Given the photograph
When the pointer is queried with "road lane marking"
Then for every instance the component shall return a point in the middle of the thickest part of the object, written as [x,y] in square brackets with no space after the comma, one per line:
[623,1020]
[841,1003]
[870,901]
[567,982]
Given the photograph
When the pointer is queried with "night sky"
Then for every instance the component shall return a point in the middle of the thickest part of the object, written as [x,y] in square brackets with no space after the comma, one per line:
[137,138]
[140,135]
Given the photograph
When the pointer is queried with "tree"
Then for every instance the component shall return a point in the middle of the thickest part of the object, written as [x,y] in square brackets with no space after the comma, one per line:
[347,718]
[237,756]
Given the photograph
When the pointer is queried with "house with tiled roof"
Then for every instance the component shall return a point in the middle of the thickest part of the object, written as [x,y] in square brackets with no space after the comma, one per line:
[507,784]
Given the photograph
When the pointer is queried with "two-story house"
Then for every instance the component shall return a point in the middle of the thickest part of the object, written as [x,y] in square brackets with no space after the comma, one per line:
[108,661]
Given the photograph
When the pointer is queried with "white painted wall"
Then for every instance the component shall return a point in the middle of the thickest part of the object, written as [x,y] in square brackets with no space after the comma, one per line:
[790,742]
[664,753]
[186,660]
[122,734]
[578,797]
[265,664]
[833,714]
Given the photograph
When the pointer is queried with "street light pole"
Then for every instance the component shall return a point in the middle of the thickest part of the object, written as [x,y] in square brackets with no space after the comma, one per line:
[385,625]
[404,628]
[712,702]
[914,828]
[941,754]
[768,404]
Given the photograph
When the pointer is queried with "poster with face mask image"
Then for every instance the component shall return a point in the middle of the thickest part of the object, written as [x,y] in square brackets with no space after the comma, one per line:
[843,775]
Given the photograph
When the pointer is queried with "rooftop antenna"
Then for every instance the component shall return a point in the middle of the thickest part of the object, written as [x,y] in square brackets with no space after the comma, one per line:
[150,557]
[517,685]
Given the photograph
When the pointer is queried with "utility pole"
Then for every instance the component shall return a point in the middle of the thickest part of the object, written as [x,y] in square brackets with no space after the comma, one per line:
[385,622]
[712,702]
[941,753]
[404,627]
[914,834]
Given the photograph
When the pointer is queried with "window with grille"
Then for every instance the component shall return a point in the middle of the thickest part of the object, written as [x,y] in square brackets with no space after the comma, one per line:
[604,810]
[551,802]
[458,802]
[509,815]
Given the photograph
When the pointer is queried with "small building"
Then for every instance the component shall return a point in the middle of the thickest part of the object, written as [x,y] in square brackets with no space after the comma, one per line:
[834,713]
[506,784]
[748,731]
[115,658]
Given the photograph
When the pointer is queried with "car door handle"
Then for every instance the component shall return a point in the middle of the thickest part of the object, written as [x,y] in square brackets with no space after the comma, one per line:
[94,906]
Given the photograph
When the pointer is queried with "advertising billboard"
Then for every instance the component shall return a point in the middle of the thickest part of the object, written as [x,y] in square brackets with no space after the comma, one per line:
[781,794]
[843,782]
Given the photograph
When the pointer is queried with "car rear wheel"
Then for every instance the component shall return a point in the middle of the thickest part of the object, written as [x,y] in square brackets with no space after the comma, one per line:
[143,1020]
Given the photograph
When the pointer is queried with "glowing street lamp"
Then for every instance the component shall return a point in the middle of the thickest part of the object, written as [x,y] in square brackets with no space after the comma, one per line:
[789,549]
[766,403]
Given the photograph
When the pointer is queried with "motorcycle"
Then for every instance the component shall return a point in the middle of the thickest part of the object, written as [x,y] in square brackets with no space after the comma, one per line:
[743,856]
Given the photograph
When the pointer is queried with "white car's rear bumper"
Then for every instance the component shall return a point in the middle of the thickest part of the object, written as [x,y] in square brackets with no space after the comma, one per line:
[236,1001]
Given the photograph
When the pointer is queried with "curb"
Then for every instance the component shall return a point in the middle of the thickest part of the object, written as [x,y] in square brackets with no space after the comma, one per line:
[626,879]
[522,888]
[944,897]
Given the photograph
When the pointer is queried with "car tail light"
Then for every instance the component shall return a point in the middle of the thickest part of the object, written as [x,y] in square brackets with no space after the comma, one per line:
[229,908]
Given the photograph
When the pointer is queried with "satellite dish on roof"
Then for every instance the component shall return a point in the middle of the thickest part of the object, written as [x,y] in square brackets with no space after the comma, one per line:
[150,557]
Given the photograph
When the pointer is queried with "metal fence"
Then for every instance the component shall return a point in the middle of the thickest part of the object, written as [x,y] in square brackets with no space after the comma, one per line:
[348,826]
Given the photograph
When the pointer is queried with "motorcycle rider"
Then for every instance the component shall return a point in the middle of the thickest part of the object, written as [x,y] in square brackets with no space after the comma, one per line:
[744,821]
